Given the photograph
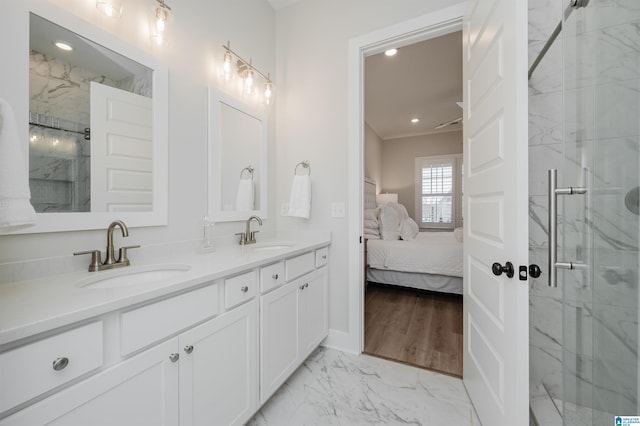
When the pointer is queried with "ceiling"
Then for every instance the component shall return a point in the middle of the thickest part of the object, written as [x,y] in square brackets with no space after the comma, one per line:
[423,80]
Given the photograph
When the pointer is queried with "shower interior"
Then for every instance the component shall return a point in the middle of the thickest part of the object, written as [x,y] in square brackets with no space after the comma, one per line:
[584,114]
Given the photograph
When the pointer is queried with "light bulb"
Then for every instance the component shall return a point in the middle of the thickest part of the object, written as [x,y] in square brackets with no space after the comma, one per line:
[248,82]
[267,92]
[161,19]
[227,65]
[110,8]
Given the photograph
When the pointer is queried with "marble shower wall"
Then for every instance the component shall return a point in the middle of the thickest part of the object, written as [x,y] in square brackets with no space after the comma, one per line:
[584,122]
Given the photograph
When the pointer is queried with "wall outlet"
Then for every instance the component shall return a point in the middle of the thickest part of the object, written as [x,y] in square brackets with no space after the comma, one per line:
[284,209]
[337,209]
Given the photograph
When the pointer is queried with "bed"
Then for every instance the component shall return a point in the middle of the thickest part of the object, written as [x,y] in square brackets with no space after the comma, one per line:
[429,261]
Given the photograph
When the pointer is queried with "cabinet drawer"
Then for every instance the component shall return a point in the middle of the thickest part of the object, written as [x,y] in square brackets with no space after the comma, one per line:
[271,276]
[322,257]
[143,326]
[239,289]
[28,371]
[299,265]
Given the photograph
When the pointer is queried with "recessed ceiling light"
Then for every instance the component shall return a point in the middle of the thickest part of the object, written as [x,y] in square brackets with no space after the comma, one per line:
[415,120]
[391,52]
[63,45]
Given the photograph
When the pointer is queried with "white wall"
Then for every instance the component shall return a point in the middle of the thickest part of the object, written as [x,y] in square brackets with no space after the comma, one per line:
[373,156]
[312,56]
[193,54]
[398,167]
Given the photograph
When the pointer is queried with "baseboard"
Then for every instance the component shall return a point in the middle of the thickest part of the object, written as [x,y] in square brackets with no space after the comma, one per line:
[341,341]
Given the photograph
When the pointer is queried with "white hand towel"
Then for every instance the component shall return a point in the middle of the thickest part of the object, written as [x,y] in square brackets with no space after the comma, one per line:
[300,200]
[15,209]
[244,198]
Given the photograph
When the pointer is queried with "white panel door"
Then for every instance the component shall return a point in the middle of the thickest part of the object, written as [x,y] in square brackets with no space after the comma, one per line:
[496,311]
[219,369]
[121,150]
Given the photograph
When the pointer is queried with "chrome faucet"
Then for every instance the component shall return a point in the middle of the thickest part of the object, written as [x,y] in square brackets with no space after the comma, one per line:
[249,236]
[110,262]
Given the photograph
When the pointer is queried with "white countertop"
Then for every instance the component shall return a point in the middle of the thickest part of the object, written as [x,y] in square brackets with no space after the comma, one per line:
[39,305]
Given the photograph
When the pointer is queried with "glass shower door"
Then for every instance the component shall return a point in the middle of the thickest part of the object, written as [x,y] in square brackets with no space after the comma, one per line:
[600,229]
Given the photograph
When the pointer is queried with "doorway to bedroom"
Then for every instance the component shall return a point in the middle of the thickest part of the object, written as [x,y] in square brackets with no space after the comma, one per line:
[413,204]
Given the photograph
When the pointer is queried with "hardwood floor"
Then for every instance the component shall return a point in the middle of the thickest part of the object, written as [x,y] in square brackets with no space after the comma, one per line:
[416,327]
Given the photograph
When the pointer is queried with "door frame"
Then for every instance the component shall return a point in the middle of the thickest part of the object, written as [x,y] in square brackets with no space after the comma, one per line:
[428,26]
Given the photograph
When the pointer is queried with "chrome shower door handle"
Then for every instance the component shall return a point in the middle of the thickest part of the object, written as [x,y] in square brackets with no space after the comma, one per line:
[554,191]
[553,228]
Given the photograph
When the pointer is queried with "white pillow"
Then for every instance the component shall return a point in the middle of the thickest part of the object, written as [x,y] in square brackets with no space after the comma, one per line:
[458,233]
[371,236]
[371,214]
[371,224]
[400,209]
[389,223]
[409,229]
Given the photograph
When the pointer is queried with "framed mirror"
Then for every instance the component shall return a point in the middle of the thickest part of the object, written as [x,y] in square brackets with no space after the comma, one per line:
[237,159]
[98,111]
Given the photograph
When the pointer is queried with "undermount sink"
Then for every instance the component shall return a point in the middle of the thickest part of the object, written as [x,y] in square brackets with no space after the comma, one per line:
[132,276]
[272,246]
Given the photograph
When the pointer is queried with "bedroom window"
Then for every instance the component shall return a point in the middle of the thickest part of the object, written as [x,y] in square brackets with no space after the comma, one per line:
[438,192]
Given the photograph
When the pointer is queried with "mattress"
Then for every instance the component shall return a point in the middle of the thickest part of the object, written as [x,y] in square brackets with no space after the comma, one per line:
[441,283]
[437,253]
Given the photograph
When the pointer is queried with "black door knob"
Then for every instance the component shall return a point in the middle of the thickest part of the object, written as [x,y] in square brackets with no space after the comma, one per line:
[498,269]
[534,271]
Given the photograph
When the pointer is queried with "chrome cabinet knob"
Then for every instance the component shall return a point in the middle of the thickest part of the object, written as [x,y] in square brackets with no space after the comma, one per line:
[60,363]
[306,285]
[188,349]
[302,287]
[174,357]
[324,256]
[244,289]
[274,276]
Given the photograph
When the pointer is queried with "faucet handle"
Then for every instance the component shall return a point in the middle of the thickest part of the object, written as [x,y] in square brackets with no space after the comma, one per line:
[95,259]
[243,237]
[122,254]
[252,236]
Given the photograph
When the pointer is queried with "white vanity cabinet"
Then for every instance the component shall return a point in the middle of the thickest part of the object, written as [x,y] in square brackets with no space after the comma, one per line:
[293,322]
[142,390]
[219,369]
[209,355]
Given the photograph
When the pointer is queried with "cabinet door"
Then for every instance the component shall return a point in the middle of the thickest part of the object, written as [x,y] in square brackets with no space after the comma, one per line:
[219,369]
[314,318]
[140,391]
[278,337]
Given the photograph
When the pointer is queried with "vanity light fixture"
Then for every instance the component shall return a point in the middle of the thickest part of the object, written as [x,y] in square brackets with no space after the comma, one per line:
[159,18]
[390,52]
[246,71]
[63,45]
[110,8]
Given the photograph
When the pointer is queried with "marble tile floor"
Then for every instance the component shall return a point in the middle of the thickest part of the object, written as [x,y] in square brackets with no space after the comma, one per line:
[336,388]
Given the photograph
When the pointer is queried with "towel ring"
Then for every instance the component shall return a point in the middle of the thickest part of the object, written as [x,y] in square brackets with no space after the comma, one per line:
[305,164]
[249,169]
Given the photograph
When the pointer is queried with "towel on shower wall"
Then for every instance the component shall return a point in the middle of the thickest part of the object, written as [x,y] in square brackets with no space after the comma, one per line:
[300,200]
[244,198]
[15,209]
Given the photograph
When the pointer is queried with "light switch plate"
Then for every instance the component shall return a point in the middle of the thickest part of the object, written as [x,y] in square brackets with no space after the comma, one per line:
[337,209]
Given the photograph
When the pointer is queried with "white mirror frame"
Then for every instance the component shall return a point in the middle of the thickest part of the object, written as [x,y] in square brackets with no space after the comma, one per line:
[74,221]
[215,211]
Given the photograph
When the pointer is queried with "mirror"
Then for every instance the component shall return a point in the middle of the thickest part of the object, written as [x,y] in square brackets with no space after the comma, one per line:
[237,159]
[97,127]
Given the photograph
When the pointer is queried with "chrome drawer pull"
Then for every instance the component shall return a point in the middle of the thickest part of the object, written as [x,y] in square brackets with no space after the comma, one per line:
[174,357]
[244,289]
[274,276]
[324,257]
[60,363]
[188,349]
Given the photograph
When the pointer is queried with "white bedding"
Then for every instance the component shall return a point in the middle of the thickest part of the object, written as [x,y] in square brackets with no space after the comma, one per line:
[430,252]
